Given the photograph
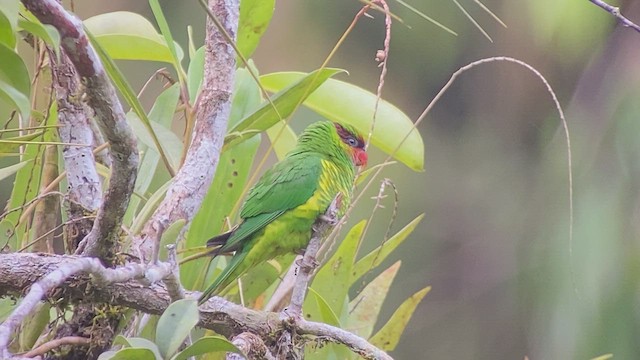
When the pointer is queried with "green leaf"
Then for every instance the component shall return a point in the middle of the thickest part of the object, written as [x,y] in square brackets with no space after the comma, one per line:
[47,33]
[365,308]
[326,314]
[375,257]
[129,36]
[332,280]
[168,38]
[15,84]
[255,16]
[161,113]
[282,138]
[149,207]
[195,74]
[129,354]
[169,141]
[138,343]
[33,325]
[175,324]
[26,184]
[207,344]
[125,89]
[285,102]
[8,21]
[5,172]
[346,103]
[387,338]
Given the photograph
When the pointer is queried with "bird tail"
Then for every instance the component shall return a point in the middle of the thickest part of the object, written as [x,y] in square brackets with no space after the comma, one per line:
[220,240]
[224,279]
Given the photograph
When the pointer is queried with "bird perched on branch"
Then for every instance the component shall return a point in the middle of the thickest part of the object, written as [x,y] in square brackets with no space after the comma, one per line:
[281,208]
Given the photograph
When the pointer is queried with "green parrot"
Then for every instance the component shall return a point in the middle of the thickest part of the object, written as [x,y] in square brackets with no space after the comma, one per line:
[283,205]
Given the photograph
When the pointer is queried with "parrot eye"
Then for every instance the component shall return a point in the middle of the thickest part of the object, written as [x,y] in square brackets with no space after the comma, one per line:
[351,141]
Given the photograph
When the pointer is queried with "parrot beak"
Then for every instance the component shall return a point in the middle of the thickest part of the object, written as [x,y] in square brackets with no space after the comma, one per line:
[361,158]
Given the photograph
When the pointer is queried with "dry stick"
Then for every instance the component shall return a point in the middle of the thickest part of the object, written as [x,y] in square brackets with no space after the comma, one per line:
[101,96]
[615,11]
[50,345]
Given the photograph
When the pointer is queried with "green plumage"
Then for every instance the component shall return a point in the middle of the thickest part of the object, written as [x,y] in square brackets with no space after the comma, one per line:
[281,208]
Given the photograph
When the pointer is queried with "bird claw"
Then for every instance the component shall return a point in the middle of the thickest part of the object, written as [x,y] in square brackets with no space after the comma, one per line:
[290,317]
[329,219]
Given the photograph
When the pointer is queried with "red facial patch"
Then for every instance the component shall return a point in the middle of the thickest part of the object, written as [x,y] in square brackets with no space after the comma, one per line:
[360,157]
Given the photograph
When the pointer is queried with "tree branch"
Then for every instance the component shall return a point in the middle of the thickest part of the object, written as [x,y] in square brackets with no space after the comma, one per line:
[192,181]
[64,271]
[74,117]
[615,11]
[20,271]
[102,98]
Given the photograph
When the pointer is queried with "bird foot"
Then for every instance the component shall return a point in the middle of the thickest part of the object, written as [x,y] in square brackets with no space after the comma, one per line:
[329,219]
[290,317]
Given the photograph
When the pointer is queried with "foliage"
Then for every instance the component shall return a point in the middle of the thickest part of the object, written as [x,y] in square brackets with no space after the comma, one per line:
[129,36]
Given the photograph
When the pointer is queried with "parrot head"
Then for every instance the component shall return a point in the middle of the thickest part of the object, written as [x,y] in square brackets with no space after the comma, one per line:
[339,141]
[352,143]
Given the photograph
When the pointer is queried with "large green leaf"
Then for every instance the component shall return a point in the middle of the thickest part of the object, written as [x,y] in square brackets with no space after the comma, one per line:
[129,36]
[255,16]
[8,22]
[207,344]
[285,102]
[365,308]
[175,324]
[326,314]
[375,257]
[129,354]
[282,138]
[138,343]
[343,102]
[387,338]
[15,84]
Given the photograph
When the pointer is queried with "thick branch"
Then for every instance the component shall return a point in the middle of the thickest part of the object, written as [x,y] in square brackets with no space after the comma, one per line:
[101,97]
[20,271]
[66,270]
[74,117]
[191,183]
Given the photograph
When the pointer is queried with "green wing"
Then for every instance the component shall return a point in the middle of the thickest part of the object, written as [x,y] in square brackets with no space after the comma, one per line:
[288,184]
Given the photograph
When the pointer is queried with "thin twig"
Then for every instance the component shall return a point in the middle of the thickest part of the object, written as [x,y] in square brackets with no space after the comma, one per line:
[615,11]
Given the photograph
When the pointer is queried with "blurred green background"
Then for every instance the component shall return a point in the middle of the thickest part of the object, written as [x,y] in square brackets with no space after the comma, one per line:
[494,244]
